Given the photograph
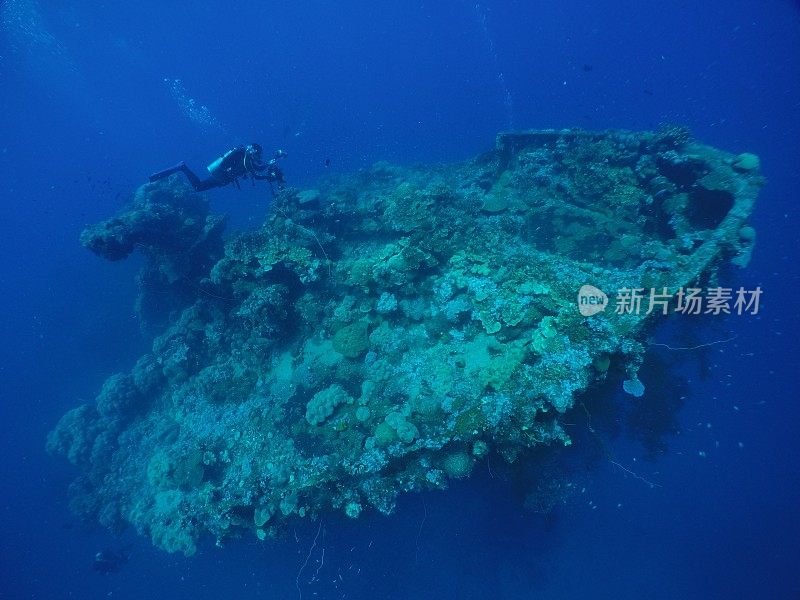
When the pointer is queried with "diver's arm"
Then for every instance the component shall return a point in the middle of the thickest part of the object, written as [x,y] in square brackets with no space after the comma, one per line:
[257,165]
[270,164]
[265,170]
[274,174]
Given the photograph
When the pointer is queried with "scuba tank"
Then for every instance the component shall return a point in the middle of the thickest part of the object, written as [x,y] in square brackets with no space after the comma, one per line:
[223,169]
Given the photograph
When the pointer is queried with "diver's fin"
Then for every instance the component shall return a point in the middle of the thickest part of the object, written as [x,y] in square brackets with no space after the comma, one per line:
[181,166]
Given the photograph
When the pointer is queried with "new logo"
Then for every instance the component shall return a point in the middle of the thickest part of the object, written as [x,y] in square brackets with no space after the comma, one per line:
[591,300]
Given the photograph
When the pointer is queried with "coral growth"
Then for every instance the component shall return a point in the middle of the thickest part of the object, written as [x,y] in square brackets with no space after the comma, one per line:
[381,333]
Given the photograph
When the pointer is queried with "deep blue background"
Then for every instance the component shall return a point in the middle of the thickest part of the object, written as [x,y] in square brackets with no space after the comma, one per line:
[89,106]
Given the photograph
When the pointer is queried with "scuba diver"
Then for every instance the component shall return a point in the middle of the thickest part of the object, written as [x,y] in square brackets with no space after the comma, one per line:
[242,161]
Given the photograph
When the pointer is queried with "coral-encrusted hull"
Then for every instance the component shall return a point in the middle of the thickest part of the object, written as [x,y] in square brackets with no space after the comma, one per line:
[384,332]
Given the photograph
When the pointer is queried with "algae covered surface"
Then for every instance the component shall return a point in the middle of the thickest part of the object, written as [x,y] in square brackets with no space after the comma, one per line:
[385,331]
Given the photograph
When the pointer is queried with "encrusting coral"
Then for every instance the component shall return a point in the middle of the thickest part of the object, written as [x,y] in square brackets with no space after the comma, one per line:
[382,333]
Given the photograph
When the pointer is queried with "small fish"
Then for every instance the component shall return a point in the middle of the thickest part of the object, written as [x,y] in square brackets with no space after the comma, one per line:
[108,561]
[327,162]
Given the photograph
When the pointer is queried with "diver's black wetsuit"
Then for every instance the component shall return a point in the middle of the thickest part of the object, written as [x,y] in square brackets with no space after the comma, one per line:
[242,161]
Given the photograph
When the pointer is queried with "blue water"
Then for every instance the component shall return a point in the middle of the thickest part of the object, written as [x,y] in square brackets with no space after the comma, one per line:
[95,96]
